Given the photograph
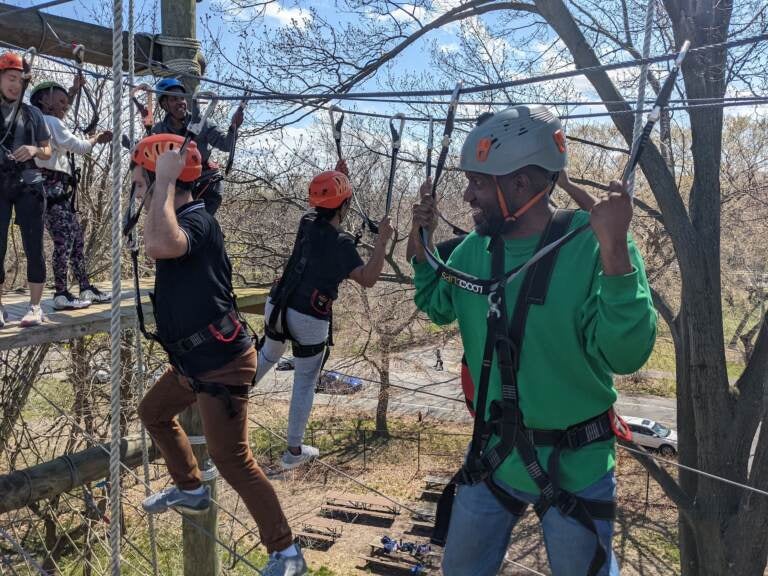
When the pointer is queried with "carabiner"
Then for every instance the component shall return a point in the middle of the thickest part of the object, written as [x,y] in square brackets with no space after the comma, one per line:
[430,146]
[195,128]
[396,134]
[662,100]
[29,61]
[231,158]
[336,127]
[396,140]
[146,111]
[78,52]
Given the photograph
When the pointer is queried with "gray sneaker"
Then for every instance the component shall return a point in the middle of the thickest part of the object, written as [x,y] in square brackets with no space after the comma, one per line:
[289,461]
[174,498]
[280,565]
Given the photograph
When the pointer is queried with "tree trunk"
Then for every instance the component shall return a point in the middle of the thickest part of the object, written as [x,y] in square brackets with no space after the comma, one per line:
[382,429]
[724,531]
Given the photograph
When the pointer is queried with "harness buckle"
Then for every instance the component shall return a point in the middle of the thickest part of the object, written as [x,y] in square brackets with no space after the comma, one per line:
[566,502]
[494,302]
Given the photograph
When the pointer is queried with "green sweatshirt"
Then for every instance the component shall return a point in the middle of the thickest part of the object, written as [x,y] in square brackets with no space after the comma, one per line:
[591,326]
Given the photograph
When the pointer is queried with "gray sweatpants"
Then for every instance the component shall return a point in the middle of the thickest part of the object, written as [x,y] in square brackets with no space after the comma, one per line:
[307,330]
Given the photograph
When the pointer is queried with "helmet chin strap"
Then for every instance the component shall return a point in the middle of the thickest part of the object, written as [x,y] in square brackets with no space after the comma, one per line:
[505,212]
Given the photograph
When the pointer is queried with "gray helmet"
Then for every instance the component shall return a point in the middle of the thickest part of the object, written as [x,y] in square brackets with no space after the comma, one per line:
[513,138]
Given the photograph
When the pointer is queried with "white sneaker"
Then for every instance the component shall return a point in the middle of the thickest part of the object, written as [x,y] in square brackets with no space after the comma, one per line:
[33,317]
[279,565]
[289,460]
[66,301]
[95,295]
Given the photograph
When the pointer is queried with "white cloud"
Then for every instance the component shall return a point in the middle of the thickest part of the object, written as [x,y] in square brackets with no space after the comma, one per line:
[405,13]
[448,48]
[272,11]
[287,16]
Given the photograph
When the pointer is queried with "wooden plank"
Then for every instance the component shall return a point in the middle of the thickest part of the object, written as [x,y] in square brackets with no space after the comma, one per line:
[361,501]
[68,324]
[332,509]
[252,300]
[436,483]
[321,525]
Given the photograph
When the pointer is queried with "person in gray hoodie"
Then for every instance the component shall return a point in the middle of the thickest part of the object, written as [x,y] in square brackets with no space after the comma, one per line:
[59,182]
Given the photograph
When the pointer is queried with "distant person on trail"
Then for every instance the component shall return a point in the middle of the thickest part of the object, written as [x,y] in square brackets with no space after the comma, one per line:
[60,217]
[212,358]
[323,257]
[24,137]
[438,360]
[542,363]
[210,185]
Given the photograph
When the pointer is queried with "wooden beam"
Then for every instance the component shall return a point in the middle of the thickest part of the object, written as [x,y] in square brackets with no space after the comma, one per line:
[49,479]
[28,29]
[68,324]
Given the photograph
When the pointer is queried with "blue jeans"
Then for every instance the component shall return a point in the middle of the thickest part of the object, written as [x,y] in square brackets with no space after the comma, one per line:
[481,528]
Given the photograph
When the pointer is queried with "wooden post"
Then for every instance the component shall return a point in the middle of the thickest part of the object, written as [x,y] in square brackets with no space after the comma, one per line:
[201,555]
[49,479]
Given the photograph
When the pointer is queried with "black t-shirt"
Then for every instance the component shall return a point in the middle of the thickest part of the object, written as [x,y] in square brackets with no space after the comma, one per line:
[195,290]
[331,258]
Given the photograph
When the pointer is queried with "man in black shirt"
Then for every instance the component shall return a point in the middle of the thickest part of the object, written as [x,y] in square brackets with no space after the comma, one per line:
[212,359]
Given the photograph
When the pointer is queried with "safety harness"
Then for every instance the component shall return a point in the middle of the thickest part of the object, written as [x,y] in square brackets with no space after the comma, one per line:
[506,421]
[225,329]
[276,326]
[11,167]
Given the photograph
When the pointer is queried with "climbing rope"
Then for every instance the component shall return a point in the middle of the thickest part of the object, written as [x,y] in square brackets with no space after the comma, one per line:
[114,324]
[140,376]
[641,87]
[397,138]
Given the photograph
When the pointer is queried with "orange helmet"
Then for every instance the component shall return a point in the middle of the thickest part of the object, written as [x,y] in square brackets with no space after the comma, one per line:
[145,154]
[329,190]
[11,61]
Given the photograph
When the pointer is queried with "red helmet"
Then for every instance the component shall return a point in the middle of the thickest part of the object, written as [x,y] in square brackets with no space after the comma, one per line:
[329,190]
[146,152]
[11,61]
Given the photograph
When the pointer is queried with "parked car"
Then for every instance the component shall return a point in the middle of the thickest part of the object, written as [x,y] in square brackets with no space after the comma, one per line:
[285,364]
[332,382]
[651,434]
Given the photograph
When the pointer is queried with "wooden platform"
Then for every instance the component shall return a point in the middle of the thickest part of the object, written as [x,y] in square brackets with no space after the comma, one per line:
[68,324]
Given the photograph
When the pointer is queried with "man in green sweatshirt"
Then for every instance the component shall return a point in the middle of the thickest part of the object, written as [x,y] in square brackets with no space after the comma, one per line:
[597,320]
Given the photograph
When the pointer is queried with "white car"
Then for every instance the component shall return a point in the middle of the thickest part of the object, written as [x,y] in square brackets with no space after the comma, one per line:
[651,434]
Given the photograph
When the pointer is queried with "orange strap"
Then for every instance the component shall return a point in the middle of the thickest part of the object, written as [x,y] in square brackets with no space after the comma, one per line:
[505,209]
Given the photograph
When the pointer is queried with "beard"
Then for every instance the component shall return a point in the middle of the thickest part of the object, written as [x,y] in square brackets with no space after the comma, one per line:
[490,224]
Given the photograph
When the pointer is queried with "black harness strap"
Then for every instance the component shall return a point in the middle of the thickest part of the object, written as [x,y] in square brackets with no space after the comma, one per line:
[276,326]
[231,322]
[506,419]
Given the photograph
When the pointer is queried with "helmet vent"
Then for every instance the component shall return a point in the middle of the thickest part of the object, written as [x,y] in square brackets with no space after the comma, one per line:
[523,130]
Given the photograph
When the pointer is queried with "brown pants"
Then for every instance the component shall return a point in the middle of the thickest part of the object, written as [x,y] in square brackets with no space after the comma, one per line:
[227,442]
